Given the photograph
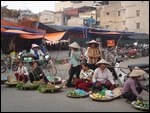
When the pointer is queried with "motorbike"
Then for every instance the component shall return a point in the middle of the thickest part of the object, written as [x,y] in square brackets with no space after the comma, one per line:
[28,58]
[120,76]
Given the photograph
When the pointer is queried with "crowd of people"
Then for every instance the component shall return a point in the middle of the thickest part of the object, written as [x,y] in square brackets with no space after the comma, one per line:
[90,69]
[94,74]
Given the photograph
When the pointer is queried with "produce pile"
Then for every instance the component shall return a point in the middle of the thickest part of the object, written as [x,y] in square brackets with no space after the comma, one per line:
[103,95]
[48,88]
[98,96]
[77,93]
[23,86]
[142,105]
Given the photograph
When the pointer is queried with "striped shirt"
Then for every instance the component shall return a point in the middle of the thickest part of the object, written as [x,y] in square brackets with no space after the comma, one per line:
[93,52]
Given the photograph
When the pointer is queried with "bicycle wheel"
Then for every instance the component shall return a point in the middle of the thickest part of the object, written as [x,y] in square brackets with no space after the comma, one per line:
[3,67]
[52,69]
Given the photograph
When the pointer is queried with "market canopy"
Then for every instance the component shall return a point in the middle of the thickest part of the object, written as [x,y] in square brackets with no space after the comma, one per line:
[105,33]
[54,36]
[10,28]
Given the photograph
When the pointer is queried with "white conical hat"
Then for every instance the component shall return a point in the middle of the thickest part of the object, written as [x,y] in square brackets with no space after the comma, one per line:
[93,42]
[35,45]
[136,72]
[102,61]
[74,45]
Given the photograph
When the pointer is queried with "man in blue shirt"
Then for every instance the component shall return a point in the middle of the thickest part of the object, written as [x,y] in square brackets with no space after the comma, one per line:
[91,21]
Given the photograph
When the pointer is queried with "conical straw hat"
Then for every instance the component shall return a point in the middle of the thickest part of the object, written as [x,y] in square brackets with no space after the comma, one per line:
[9,78]
[35,45]
[74,45]
[102,61]
[93,42]
[136,72]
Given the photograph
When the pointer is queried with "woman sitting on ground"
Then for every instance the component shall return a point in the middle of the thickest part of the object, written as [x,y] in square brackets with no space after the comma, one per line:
[36,74]
[102,77]
[22,72]
[132,87]
[85,81]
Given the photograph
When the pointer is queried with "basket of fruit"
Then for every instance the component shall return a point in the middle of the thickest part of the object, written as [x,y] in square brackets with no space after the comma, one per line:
[49,88]
[77,94]
[143,106]
[100,97]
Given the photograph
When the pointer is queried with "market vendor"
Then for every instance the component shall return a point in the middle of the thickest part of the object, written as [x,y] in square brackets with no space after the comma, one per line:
[102,77]
[36,51]
[85,81]
[36,74]
[94,54]
[22,72]
[132,87]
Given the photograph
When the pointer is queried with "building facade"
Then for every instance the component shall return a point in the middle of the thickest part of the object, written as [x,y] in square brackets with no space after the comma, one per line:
[135,16]
[47,17]
[75,12]
[130,16]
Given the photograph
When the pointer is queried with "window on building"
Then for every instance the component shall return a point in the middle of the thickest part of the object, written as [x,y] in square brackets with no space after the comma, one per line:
[107,26]
[123,11]
[124,22]
[137,12]
[118,13]
[137,25]
[107,13]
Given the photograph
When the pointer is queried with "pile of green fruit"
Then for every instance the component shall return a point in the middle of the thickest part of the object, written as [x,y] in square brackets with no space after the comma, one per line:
[143,105]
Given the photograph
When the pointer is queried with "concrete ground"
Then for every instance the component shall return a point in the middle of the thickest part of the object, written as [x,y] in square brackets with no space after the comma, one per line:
[13,100]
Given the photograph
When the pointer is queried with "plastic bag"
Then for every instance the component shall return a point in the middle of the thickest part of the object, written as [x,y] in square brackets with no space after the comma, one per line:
[109,93]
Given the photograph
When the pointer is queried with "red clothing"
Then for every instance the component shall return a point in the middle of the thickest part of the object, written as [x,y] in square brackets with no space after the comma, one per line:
[85,85]
[21,77]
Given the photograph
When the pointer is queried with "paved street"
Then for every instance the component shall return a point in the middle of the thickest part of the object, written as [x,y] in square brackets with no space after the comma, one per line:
[13,100]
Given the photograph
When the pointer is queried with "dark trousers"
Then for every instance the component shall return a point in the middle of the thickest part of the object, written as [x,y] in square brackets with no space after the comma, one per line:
[93,66]
[74,70]
[130,95]
[98,85]
[37,78]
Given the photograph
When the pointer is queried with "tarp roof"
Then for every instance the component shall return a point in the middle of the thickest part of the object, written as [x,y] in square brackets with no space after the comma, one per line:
[10,28]
[47,28]
[54,36]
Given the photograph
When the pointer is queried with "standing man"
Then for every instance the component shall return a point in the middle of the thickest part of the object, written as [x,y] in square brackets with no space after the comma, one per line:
[91,21]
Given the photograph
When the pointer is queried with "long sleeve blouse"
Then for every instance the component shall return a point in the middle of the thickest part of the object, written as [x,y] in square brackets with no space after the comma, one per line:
[23,70]
[102,76]
[130,85]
